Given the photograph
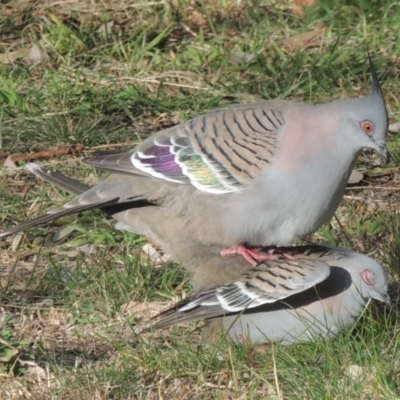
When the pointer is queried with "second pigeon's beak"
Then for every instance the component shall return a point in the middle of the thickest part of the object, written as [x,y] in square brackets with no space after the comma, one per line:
[382,149]
[387,300]
[383,297]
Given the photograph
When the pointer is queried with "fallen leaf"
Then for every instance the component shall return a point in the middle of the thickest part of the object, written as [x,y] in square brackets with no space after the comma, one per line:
[88,249]
[394,127]
[32,368]
[196,20]
[46,302]
[16,241]
[299,5]
[239,57]
[36,54]
[10,57]
[63,232]
[356,372]
[384,171]
[355,177]
[10,164]
[165,121]
[305,40]
[149,252]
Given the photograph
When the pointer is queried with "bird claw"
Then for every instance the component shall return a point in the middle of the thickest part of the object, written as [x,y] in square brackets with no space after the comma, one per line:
[254,255]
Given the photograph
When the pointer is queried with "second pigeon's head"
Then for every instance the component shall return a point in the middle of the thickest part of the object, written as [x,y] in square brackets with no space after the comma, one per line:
[367,119]
[368,276]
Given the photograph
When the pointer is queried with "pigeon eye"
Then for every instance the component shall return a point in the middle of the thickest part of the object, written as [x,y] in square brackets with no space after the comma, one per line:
[368,277]
[368,127]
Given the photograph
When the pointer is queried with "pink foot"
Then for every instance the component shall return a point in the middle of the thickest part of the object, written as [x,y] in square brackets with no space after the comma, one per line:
[253,256]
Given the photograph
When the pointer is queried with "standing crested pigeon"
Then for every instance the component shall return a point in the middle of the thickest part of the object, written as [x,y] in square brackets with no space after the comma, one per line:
[262,174]
[322,291]
[316,294]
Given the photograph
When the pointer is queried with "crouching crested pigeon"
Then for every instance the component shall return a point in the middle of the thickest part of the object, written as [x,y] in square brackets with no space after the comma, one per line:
[316,295]
[261,174]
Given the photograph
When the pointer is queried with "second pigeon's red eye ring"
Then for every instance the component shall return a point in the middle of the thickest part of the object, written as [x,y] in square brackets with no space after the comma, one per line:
[368,277]
[368,127]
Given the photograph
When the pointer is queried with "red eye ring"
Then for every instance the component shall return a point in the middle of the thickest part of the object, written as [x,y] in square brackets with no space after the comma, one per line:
[368,277]
[368,127]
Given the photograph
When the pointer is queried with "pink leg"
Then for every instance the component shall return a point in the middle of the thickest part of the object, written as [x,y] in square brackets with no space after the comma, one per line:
[256,254]
[253,256]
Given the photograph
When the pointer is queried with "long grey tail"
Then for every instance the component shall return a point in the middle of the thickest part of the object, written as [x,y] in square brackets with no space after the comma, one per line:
[183,317]
[70,185]
[172,316]
[75,187]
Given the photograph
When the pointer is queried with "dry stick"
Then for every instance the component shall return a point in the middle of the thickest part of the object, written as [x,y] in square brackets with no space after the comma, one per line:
[373,187]
[42,154]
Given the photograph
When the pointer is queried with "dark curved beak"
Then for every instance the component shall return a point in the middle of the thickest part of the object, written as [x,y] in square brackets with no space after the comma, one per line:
[383,150]
[383,297]
[387,300]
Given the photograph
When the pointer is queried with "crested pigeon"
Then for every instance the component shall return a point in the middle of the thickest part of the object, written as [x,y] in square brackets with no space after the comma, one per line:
[262,174]
[324,290]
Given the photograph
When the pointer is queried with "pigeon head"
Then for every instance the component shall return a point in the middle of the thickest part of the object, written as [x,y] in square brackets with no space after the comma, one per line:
[376,126]
[367,118]
[374,279]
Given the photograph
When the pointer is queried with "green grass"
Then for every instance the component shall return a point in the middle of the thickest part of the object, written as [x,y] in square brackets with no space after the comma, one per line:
[106,86]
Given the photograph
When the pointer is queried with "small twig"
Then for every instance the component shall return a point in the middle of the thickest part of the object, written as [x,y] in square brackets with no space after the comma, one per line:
[15,158]
[112,146]
[373,187]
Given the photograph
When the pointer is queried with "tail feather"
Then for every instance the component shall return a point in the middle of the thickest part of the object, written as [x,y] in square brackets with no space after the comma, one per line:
[46,218]
[73,186]
[70,185]
[176,314]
